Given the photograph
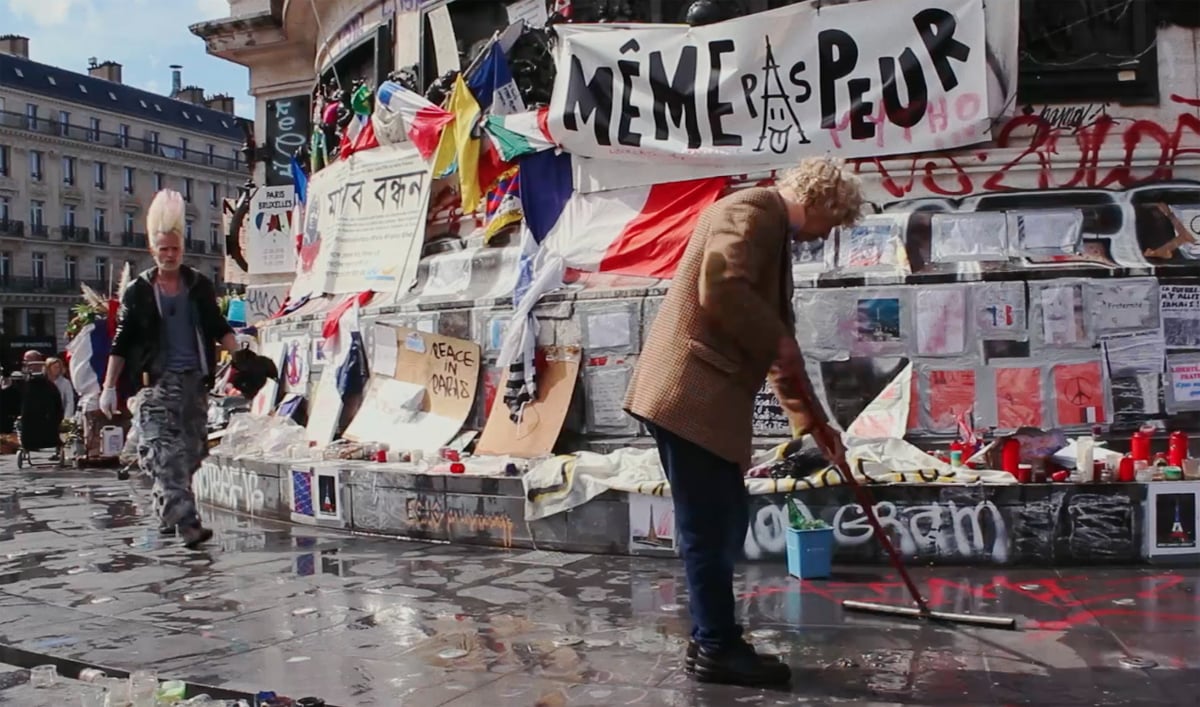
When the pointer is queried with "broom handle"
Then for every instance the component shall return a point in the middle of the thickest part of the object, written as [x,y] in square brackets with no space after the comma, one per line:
[822,434]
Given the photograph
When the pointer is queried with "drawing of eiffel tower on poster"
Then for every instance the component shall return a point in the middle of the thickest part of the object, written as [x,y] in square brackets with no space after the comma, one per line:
[778,112]
[1178,534]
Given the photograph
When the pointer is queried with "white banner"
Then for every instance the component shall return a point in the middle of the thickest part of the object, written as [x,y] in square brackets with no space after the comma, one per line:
[866,79]
[269,246]
[364,224]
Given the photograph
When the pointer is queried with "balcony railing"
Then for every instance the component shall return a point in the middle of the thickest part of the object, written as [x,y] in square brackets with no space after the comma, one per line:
[39,230]
[80,133]
[75,234]
[12,228]
[195,247]
[99,236]
[42,285]
[134,240]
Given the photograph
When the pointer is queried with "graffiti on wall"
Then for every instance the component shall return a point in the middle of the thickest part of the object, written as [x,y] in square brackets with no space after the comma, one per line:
[1056,148]
[232,488]
[437,515]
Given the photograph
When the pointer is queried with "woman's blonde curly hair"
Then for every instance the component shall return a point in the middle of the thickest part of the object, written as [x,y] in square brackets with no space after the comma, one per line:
[828,184]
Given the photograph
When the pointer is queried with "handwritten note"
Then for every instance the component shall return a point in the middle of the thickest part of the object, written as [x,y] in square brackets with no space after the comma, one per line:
[1118,305]
[1184,374]
[383,358]
[532,12]
[606,387]
[769,419]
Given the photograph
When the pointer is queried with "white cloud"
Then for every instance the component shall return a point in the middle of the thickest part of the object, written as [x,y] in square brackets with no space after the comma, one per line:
[48,13]
[213,9]
[151,86]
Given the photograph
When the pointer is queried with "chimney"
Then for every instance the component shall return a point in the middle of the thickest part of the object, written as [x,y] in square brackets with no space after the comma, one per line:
[14,44]
[191,94]
[176,79]
[107,70]
[220,102]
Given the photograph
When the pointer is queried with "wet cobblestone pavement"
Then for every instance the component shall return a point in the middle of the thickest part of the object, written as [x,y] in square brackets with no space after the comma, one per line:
[366,621]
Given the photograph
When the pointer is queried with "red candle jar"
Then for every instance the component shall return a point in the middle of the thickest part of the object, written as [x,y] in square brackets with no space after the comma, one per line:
[1010,455]
[1177,448]
[458,468]
[1024,473]
[1126,470]
[1139,446]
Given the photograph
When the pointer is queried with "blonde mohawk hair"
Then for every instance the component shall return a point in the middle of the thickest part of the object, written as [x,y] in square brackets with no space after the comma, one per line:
[166,214]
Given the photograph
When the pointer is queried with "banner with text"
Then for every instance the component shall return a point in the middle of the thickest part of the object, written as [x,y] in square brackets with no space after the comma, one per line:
[364,224]
[865,79]
[270,246]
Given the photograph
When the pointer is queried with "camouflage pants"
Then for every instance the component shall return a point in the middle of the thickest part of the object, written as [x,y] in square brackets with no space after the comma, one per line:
[172,421]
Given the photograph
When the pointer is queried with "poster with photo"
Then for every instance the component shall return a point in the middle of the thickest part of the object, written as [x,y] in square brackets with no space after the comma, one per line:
[1180,307]
[874,243]
[1171,511]
[327,504]
[877,320]
[293,374]
[651,523]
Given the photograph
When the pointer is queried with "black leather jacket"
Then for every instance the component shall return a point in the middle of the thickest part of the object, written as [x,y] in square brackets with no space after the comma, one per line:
[138,323]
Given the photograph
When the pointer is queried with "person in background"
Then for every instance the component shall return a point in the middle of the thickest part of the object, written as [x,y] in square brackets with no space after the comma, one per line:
[56,372]
[167,329]
[725,326]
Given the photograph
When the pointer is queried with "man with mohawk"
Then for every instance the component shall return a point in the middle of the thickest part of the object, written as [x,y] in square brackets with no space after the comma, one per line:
[167,326]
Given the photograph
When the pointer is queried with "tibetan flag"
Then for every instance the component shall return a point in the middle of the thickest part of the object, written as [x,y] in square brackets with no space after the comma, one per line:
[639,231]
[420,121]
[519,134]
[493,86]
[460,145]
[503,206]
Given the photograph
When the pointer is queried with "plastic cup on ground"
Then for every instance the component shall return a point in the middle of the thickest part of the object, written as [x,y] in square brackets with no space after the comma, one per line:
[93,696]
[43,676]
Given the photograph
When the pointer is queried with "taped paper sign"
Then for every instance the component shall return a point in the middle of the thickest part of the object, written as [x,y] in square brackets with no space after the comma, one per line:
[874,243]
[364,224]
[769,419]
[1132,354]
[951,394]
[1018,397]
[941,321]
[1180,307]
[435,378]
[1183,372]
[1123,304]
[1062,315]
[969,237]
[1000,310]
[270,246]
[293,374]
[745,93]
[1078,393]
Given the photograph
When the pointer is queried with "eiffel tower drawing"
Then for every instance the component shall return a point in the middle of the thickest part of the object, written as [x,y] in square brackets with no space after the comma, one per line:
[778,112]
[1178,534]
[652,534]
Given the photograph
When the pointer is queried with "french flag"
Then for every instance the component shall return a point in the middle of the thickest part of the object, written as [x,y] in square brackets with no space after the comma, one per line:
[641,231]
[88,354]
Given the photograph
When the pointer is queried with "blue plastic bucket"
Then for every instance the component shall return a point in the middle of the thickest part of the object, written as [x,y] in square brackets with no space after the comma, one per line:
[810,553]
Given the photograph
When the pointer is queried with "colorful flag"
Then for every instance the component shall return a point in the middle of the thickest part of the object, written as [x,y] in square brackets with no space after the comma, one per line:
[421,121]
[88,358]
[460,143]
[492,84]
[633,231]
[503,205]
[519,134]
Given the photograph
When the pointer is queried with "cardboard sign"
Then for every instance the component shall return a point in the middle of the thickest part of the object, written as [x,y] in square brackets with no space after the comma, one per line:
[428,397]
[543,418]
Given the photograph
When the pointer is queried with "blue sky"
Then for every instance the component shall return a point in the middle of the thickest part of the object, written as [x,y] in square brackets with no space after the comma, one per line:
[145,36]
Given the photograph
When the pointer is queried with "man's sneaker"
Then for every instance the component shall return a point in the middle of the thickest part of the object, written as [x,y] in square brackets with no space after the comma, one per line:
[196,535]
[167,531]
[740,665]
[689,658]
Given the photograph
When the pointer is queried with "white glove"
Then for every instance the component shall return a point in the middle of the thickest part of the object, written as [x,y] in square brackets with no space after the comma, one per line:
[108,401]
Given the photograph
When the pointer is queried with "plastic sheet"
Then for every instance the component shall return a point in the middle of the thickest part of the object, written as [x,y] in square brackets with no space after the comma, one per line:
[253,436]
[876,243]
[1047,232]
[969,237]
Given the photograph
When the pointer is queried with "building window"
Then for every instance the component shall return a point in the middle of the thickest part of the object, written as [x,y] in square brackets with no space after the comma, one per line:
[37,212]
[71,268]
[187,231]
[64,121]
[213,191]
[158,181]
[129,219]
[94,129]
[127,180]
[183,148]
[101,269]
[35,165]
[152,140]
[101,175]
[39,268]
[212,153]
[216,275]
[41,321]
[214,235]
[4,155]
[68,170]
[4,209]
[31,116]
[187,190]
[99,221]
[5,266]
[69,215]
[123,135]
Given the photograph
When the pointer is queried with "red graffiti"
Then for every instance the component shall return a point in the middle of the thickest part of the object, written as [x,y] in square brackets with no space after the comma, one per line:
[1082,599]
[945,174]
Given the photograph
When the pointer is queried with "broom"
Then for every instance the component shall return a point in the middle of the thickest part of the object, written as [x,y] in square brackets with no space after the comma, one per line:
[828,442]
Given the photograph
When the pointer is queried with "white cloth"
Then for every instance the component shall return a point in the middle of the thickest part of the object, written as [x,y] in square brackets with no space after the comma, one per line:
[67,394]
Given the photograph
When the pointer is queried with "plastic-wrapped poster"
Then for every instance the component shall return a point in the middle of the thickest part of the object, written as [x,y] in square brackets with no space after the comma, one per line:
[969,237]
[941,321]
[878,320]
[1180,306]
[1000,311]
[1018,397]
[1062,315]
[951,393]
[874,243]
[1050,232]
[1078,393]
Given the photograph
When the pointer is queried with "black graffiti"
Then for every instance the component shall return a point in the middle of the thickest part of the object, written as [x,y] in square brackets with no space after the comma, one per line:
[449,386]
